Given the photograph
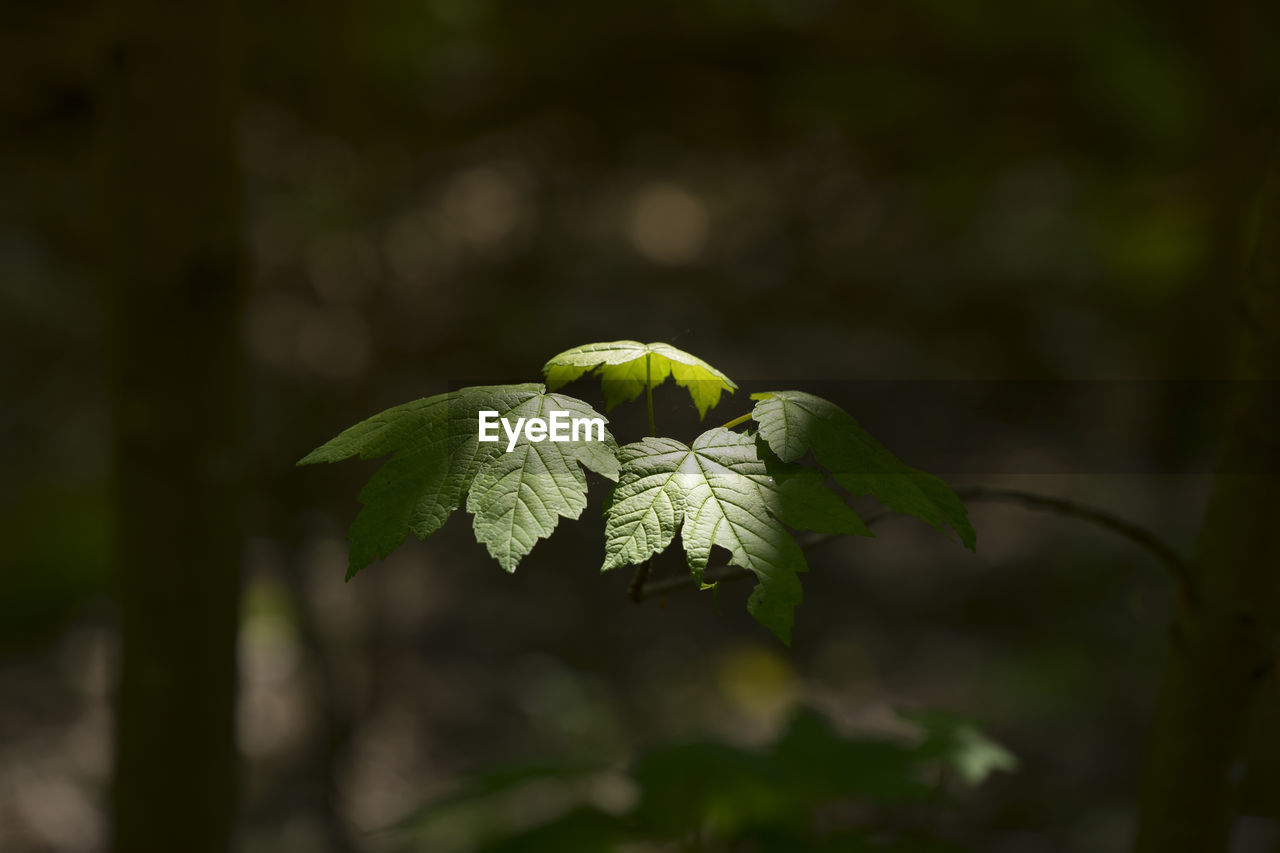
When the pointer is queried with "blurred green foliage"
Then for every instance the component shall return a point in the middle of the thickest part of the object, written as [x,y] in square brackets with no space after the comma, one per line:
[812,788]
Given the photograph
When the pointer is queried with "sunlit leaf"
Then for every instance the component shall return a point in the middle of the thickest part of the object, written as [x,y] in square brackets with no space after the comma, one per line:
[720,492]
[625,367]
[516,497]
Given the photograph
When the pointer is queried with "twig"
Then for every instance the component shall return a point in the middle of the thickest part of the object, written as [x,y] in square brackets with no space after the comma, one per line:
[1177,565]
[665,585]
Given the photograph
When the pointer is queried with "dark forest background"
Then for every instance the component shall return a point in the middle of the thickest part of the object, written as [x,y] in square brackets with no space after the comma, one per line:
[1004,235]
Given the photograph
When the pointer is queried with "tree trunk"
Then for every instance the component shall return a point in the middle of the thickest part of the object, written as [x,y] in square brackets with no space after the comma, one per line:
[1224,639]
[172,230]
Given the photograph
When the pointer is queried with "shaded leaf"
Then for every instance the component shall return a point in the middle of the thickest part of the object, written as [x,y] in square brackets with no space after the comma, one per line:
[795,423]
[699,784]
[824,764]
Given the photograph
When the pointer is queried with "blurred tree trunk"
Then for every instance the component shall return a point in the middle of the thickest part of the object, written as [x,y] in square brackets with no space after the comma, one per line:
[1224,639]
[172,226]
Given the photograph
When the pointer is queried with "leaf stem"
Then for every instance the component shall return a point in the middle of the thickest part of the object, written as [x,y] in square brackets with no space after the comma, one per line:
[742,419]
[648,394]
[637,589]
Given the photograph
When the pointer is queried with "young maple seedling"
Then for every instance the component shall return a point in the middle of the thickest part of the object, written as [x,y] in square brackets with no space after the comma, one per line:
[740,491]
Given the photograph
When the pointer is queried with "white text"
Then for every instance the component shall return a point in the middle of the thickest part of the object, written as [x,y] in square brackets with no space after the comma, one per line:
[559,427]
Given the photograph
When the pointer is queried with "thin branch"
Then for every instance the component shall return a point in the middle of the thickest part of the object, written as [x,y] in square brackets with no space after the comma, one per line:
[665,585]
[1177,565]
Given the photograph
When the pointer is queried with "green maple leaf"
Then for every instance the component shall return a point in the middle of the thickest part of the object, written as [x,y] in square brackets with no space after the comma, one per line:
[722,491]
[516,497]
[794,423]
[627,367]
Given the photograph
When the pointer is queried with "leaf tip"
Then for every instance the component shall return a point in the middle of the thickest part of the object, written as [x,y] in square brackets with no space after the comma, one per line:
[311,458]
